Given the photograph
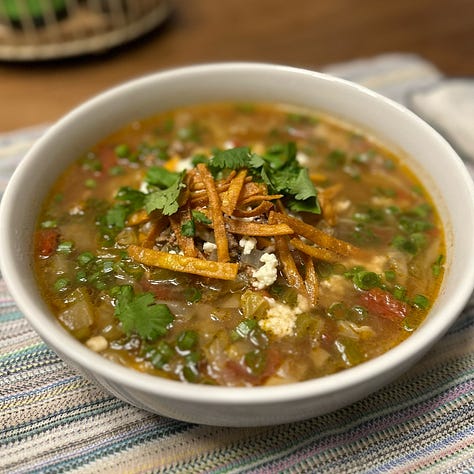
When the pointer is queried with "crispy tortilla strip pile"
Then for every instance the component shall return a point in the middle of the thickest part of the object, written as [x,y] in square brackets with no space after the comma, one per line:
[236,205]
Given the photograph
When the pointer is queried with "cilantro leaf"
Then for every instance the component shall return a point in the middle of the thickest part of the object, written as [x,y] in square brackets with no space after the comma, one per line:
[302,187]
[308,205]
[188,229]
[233,159]
[131,200]
[201,217]
[133,197]
[166,200]
[279,169]
[161,177]
[279,155]
[116,216]
[139,314]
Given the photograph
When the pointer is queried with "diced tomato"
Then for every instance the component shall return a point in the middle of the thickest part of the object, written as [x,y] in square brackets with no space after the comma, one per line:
[108,159]
[164,291]
[47,241]
[236,372]
[384,304]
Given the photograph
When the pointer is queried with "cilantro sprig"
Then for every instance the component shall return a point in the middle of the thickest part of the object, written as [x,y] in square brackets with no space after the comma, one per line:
[233,159]
[128,201]
[168,187]
[278,168]
[140,314]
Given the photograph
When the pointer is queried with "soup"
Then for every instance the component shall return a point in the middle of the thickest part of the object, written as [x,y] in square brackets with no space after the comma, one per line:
[239,245]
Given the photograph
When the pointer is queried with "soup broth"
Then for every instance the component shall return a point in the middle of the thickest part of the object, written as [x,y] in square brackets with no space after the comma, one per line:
[239,245]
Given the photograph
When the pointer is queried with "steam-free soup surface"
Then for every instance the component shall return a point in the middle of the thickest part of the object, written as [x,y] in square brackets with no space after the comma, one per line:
[239,244]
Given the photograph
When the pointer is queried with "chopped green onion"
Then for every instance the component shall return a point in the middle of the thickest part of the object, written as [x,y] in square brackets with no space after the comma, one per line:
[61,284]
[337,310]
[336,159]
[390,275]
[116,171]
[90,183]
[358,313]
[161,354]
[400,292]
[186,340]
[85,257]
[65,247]
[244,328]
[350,351]
[421,301]
[192,295]
[255,361]
[366,280]
[122,151]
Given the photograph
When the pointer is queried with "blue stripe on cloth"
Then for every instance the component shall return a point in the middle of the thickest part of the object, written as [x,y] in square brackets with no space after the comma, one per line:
[13,316]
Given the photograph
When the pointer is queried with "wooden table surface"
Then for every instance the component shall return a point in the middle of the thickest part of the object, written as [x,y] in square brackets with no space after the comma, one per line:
[309,33]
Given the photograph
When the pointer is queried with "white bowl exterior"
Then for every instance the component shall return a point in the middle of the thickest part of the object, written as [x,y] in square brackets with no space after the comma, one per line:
[444,175]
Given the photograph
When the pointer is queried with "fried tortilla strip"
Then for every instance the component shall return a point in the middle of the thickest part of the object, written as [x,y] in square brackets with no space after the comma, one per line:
[262,208]
[288,265]
[185,243]
[264,242]
[317,178]
[326,200]
[317,236]
[315,252]
[311,280]
[156,227]
[184,264]
[252,188]
[217,218]
[230,198]
[256,229]
[330,192]
[138,217]
[258,197]
[222,185]
[201,198]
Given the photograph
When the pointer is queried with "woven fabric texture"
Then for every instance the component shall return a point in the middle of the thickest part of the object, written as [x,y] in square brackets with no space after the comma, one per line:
[53,420]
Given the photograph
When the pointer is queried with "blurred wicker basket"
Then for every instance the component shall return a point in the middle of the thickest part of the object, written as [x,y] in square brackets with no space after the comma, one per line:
[48,29]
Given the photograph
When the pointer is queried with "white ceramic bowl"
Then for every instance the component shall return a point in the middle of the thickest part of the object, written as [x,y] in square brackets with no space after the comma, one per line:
[431,157]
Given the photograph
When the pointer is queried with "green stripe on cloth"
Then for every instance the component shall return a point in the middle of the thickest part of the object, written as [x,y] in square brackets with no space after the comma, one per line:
[53,420]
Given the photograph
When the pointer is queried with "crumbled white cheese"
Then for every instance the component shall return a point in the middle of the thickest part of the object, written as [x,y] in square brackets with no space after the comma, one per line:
[248,244]
[280,318]
[228,144]
[267,273]
[302,158]
[184,164]
[208,247]
[335,282]
[174,252]
[97,343]
[76,211]
[382,201]
[302,304]
[342,205]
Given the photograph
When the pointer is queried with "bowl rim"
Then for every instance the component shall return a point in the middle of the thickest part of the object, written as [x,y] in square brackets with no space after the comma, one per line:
[51,331]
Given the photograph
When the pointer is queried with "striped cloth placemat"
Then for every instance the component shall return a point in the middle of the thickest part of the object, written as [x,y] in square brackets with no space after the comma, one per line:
[52,420]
